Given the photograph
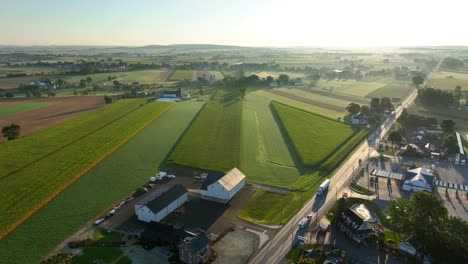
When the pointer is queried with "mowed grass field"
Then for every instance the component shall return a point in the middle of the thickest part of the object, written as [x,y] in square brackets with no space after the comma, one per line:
[267,157]
[460,117]
[213,140]
[449,80]
[19,108]
[330,100]
[314,137]
[112,179]
[28,189]
[182,75]
[391,90]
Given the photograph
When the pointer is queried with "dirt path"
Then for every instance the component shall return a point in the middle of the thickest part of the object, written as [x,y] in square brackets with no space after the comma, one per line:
[307,101]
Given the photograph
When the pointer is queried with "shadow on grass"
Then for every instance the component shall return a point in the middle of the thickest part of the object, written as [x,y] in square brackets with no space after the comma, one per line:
[164,162]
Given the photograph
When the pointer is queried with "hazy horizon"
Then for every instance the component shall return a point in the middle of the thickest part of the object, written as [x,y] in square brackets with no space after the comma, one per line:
[276,23]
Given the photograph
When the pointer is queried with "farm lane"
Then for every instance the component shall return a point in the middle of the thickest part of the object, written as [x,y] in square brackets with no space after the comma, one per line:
[275,249]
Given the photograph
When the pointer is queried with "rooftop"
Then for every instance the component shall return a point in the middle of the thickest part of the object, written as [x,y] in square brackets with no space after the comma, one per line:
[166,198]
[228,180]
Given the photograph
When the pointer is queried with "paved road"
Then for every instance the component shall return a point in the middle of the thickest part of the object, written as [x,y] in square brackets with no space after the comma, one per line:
[275,250]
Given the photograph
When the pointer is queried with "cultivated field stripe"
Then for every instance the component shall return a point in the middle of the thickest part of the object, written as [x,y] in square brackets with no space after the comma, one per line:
[307,101]
[64,187]
[66,145]
[337,95]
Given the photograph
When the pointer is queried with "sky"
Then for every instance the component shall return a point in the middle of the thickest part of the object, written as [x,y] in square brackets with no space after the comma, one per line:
[241,22]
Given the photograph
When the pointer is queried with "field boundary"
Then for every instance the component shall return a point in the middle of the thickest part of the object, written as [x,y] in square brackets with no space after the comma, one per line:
[76,178]
[303,110]
[338,95]
[71,143]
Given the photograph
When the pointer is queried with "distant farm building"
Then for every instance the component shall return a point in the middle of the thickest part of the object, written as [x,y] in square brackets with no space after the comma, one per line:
[358,119]
[171,96]
[419,179]
[161,203]
[222,187]
[273,84]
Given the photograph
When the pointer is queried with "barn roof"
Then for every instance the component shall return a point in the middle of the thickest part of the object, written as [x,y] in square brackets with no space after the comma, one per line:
[228,181]
[166,198]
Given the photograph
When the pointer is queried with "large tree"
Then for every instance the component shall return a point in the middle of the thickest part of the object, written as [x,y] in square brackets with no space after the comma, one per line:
[11,132]
[447,126]
[418,80]
[395,137]
[283,79]
[353,108]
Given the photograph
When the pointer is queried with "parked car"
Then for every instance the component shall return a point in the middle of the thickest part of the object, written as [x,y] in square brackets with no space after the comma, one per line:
[142,190]
[170,176]
[110,213]
[100,220]
[149,186]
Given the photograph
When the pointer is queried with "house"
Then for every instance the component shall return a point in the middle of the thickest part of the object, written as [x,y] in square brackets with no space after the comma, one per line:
[358,119]
[161,203]
[411,246]
[419,179]
[298,82]
[273,84]
[357,222]
[194,250]
[222,187]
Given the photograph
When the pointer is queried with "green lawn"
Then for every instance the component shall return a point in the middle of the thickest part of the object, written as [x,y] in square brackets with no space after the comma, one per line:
[460,117]
[301,105]
[20,152]
[269,208]
[391,90]
[106,235]
[19,108]
[31,187]
[213,140]
[112,179]
[314,137]
[102,255]
[182,75]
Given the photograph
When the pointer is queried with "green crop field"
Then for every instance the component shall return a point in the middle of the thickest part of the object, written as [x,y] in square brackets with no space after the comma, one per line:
[314,137]
[112,179]
[350,87]
[28,70]
[266,156]
[19,108]
[19,153]
[182,75]
[391,90]
[32,186]
[301,105]
[449,80]
[213,140]
[316,97]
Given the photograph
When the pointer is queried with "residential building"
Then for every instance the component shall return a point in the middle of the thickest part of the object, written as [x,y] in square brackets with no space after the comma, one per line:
[356,222]
[156,207]
[194,250]
[222,187]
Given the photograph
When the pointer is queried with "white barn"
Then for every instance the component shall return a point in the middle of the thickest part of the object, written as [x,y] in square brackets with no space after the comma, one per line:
[159,205]
[222,187]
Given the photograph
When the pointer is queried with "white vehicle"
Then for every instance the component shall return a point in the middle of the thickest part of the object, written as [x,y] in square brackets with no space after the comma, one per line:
[309,216]
[100,220]
[153,179]
[110,213]
[304,222]
[170,176]
[303,239]
[161,175]
[203,175]
[323,186]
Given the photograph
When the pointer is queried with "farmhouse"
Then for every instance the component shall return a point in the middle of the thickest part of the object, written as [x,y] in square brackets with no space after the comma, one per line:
[358,119]
[194,250]
[356,222]
[222,187]
[419,179]
[156,207]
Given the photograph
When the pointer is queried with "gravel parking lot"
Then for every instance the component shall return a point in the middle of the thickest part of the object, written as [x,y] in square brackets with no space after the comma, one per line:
[236,247]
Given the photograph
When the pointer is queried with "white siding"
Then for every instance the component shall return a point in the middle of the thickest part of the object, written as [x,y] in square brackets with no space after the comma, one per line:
[217,191]
[145,214]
